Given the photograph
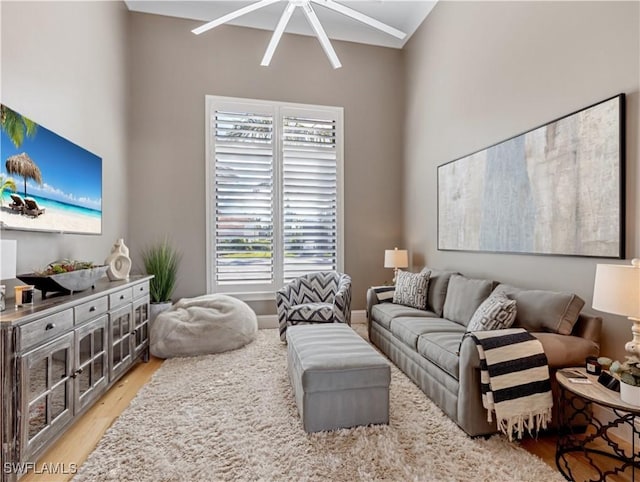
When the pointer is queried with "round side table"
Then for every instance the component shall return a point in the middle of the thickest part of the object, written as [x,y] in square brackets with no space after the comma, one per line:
[583,433]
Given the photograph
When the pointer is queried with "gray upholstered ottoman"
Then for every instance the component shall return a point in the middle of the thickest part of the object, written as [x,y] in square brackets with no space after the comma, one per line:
[338,379]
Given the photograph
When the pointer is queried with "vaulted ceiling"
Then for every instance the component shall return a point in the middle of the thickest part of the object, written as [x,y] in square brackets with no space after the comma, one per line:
[403,15]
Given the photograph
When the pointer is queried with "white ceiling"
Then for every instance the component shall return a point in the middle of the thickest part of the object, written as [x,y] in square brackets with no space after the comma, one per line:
[404,15]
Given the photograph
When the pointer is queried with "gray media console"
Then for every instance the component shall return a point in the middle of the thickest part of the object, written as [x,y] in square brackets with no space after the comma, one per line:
[59,356]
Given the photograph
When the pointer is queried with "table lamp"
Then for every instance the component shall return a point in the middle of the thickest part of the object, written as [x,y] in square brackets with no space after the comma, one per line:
[617,290]
[8,248]
[396,258]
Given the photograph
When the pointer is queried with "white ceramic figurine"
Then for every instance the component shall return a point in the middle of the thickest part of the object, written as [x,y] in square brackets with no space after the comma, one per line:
[118,261]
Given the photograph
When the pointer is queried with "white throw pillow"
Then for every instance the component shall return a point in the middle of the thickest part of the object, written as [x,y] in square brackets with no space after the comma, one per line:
[495,313]
[411,289]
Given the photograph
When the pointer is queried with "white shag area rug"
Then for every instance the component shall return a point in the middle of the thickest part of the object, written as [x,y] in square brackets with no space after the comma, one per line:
[232,416]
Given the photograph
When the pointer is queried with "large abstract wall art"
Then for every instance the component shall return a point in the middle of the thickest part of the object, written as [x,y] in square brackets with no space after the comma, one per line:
[554,190]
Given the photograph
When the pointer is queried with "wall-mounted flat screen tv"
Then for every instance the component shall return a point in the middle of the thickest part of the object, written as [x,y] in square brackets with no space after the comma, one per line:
[47,183]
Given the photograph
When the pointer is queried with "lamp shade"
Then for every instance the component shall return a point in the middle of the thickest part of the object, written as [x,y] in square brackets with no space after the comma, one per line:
[8,249]
[396,258]
[617,289]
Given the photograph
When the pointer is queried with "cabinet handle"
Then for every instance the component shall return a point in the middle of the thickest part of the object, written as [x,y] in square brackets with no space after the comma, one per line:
[79,371]
[93,308]
[76,373]
[122,297]
[141,288]
[50,326]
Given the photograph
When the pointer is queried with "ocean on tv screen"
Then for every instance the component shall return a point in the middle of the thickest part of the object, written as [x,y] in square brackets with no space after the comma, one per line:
[53,205]
[56,216]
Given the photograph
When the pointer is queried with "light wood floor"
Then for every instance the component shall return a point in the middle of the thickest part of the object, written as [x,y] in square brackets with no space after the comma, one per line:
[79,441]
[545,448]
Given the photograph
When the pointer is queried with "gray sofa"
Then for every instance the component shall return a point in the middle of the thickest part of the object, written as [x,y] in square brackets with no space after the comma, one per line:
[426,344]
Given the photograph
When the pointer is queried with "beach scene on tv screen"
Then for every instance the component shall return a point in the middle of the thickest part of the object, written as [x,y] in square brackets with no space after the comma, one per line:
[47,183]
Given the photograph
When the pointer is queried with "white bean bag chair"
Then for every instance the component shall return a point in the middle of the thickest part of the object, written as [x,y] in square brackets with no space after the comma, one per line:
[202,325]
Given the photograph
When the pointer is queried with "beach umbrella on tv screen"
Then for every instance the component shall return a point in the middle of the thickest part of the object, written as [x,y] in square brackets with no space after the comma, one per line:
[23,165]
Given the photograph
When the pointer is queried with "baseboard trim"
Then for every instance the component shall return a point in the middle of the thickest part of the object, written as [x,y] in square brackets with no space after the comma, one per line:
[267,321]
[271,321]
[359,317]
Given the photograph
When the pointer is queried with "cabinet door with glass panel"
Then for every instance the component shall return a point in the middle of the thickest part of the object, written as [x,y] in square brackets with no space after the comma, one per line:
[140,325]
[92,372]
[47,393]
[120,335]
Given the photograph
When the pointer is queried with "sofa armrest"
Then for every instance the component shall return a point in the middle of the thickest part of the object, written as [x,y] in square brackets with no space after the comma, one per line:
[372,300]
[342,301]
[588,327]
[472,415]
[283,303]
[379,294]
[283,299]
[469,356]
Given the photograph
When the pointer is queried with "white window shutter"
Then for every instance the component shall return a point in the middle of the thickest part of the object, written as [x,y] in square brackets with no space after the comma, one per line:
[309,195]
[244,198]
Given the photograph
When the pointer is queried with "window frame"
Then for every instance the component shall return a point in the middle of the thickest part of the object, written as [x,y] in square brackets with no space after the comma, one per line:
[266,291]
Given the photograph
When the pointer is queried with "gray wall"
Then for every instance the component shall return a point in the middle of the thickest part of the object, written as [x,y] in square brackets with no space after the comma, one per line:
[64,66]
[172,70]
[480,72]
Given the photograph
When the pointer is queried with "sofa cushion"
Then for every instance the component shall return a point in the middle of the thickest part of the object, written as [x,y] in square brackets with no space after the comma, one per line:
[565,350]
[385,312]
[540,310]
[411,289]
[497,312]
[437,290]
[441,349]
[407,330]
[464,296]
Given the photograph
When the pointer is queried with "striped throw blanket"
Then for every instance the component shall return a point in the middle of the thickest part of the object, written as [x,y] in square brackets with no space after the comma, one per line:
[515,380]
[384,293]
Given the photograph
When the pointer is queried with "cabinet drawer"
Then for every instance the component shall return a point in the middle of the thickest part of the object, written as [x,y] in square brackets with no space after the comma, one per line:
[89,310]
[45,328]
[141,289]
[120,298]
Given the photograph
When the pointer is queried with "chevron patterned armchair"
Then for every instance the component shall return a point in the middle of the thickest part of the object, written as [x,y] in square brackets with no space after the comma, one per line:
[323,297]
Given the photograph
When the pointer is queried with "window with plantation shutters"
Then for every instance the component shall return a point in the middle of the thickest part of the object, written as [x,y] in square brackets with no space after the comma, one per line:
[274,193]
[309,195]
[243,218]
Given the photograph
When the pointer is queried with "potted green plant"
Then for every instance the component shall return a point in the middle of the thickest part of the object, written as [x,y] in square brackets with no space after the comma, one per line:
[629,374]
[161,260]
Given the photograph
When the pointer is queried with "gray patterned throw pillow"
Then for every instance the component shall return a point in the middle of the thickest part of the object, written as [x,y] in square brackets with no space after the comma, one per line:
[411,289]
[495,313]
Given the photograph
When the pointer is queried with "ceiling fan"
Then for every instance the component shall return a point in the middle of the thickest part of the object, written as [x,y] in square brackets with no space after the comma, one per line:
[312,18]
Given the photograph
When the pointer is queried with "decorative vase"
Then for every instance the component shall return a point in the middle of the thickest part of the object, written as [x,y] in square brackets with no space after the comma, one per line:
[118,261]
[630,394]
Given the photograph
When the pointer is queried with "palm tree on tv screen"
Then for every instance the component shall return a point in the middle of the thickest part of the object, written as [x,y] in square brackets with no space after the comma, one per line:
[16,126]
[6,184]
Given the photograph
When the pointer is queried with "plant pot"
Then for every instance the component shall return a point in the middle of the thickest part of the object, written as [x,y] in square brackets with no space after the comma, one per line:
[157,308]
[630,394]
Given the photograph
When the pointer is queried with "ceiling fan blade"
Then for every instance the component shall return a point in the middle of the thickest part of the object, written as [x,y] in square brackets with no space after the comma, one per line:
[232,16]
[361,17]
[321,34]
[277,34]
